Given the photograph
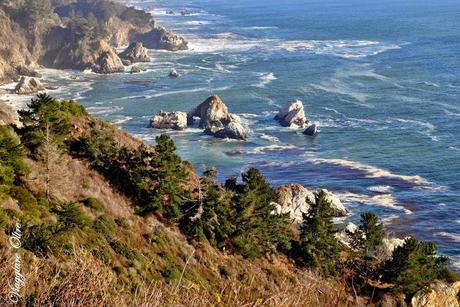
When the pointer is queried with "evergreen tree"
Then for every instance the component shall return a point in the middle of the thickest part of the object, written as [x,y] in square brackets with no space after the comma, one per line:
[259,229]
[373,233]
[414,266]
[210,217]
[318,244]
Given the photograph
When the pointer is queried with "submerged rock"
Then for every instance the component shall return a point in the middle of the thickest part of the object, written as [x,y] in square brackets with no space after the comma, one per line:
[174,74]
[295,199]
[292,115]
[108,62]
[438,294]
[136,69]
[135,52]
[169,120]
[160,38]
[28,85]
[311,130]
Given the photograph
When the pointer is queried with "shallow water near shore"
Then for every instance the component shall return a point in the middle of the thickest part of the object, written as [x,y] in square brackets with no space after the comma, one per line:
[382,80]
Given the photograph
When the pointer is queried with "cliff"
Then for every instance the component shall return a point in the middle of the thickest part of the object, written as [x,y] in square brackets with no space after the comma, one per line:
[73,34]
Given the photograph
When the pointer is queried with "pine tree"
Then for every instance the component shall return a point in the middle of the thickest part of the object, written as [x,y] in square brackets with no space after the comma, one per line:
[318,244]
[414,266]
[259,229]
[373,233]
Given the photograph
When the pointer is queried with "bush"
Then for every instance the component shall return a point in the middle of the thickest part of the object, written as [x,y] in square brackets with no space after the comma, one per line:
[94,204]
[124,250]
[414,266]
[105,225]
[71,216]
[3,218]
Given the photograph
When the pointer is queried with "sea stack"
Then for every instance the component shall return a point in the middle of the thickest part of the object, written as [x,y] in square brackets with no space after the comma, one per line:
[292,115]
[135,53]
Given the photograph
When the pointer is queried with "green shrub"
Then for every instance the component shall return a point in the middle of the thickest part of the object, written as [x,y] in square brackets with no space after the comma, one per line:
[3,218]
[70,216]
[122,222]
[94,204]
[105,225]
[171,273]
[123,249]
[414,266]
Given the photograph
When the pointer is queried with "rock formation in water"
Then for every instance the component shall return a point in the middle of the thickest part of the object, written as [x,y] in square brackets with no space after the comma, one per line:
[107,63]
[169,120]
[135,53]
[174,74]
[292,115]
[216,120]
[28,85]
[160,38]
[311,130]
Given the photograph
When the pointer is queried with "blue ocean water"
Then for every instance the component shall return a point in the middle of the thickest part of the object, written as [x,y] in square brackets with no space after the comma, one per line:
[381,78]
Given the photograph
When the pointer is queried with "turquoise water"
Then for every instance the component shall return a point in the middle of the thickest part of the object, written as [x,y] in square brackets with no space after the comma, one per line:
[381,78]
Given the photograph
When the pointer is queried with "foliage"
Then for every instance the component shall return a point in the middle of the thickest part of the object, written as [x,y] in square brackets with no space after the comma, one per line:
[259,229]
[318,244]
[213,212]
[105,225]
[99,145]
[373,232]
[71,216]
[414,265]
[11,156]
[46,115]
[94,204]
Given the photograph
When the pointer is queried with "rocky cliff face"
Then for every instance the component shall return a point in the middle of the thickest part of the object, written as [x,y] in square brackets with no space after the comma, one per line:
[8,116]
[54,37]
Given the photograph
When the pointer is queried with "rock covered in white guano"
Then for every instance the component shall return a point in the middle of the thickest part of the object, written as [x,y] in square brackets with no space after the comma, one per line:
[292,115]
[233,130]
[28,85]
[169,120]
[174,74]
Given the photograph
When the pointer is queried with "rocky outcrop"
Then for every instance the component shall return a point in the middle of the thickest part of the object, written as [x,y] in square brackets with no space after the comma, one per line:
[169,120]
[216,120]
[160,38]
[233,130]
[8,116]
[439,294]
[213,114]
[135,53]
[295,199]
[292,115]
[108,63]
[25,71]
[28,85]
[174,74]
[385,250]
[311,130]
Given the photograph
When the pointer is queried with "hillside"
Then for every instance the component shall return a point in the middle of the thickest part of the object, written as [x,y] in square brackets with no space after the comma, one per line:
[101,219]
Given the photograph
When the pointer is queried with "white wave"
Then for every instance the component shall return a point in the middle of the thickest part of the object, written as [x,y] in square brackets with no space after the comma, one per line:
[381,200]
[122,120]
[270,148]
[103,110]
[270,138]
[449,235]
[197,22]
[455,261]
[261,28]
[225,42]
[248,115]
[427,127]
[374,172]
[380,188]
[337,86]
[390,218]
[195,90]
[266,78]
[340,48]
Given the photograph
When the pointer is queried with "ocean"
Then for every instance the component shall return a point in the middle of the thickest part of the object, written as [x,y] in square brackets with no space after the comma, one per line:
[380,78]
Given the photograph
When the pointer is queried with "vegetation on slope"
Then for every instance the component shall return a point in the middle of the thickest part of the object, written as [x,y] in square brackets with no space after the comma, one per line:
[156,233]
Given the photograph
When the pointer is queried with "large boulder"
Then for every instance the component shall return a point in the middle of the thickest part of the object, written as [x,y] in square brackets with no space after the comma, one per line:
[25,71]
[213,114]
[135,52]
[385,250]
[439,294]
[28,85]
[295,199]
[169,120]
[233,130]
[292,115]
[108,62]
[160,38]
[8,116]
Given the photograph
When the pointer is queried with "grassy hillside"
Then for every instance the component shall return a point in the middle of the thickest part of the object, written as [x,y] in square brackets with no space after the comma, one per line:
[107,220]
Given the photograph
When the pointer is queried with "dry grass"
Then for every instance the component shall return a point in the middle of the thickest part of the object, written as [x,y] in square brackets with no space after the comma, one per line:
[85,281]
